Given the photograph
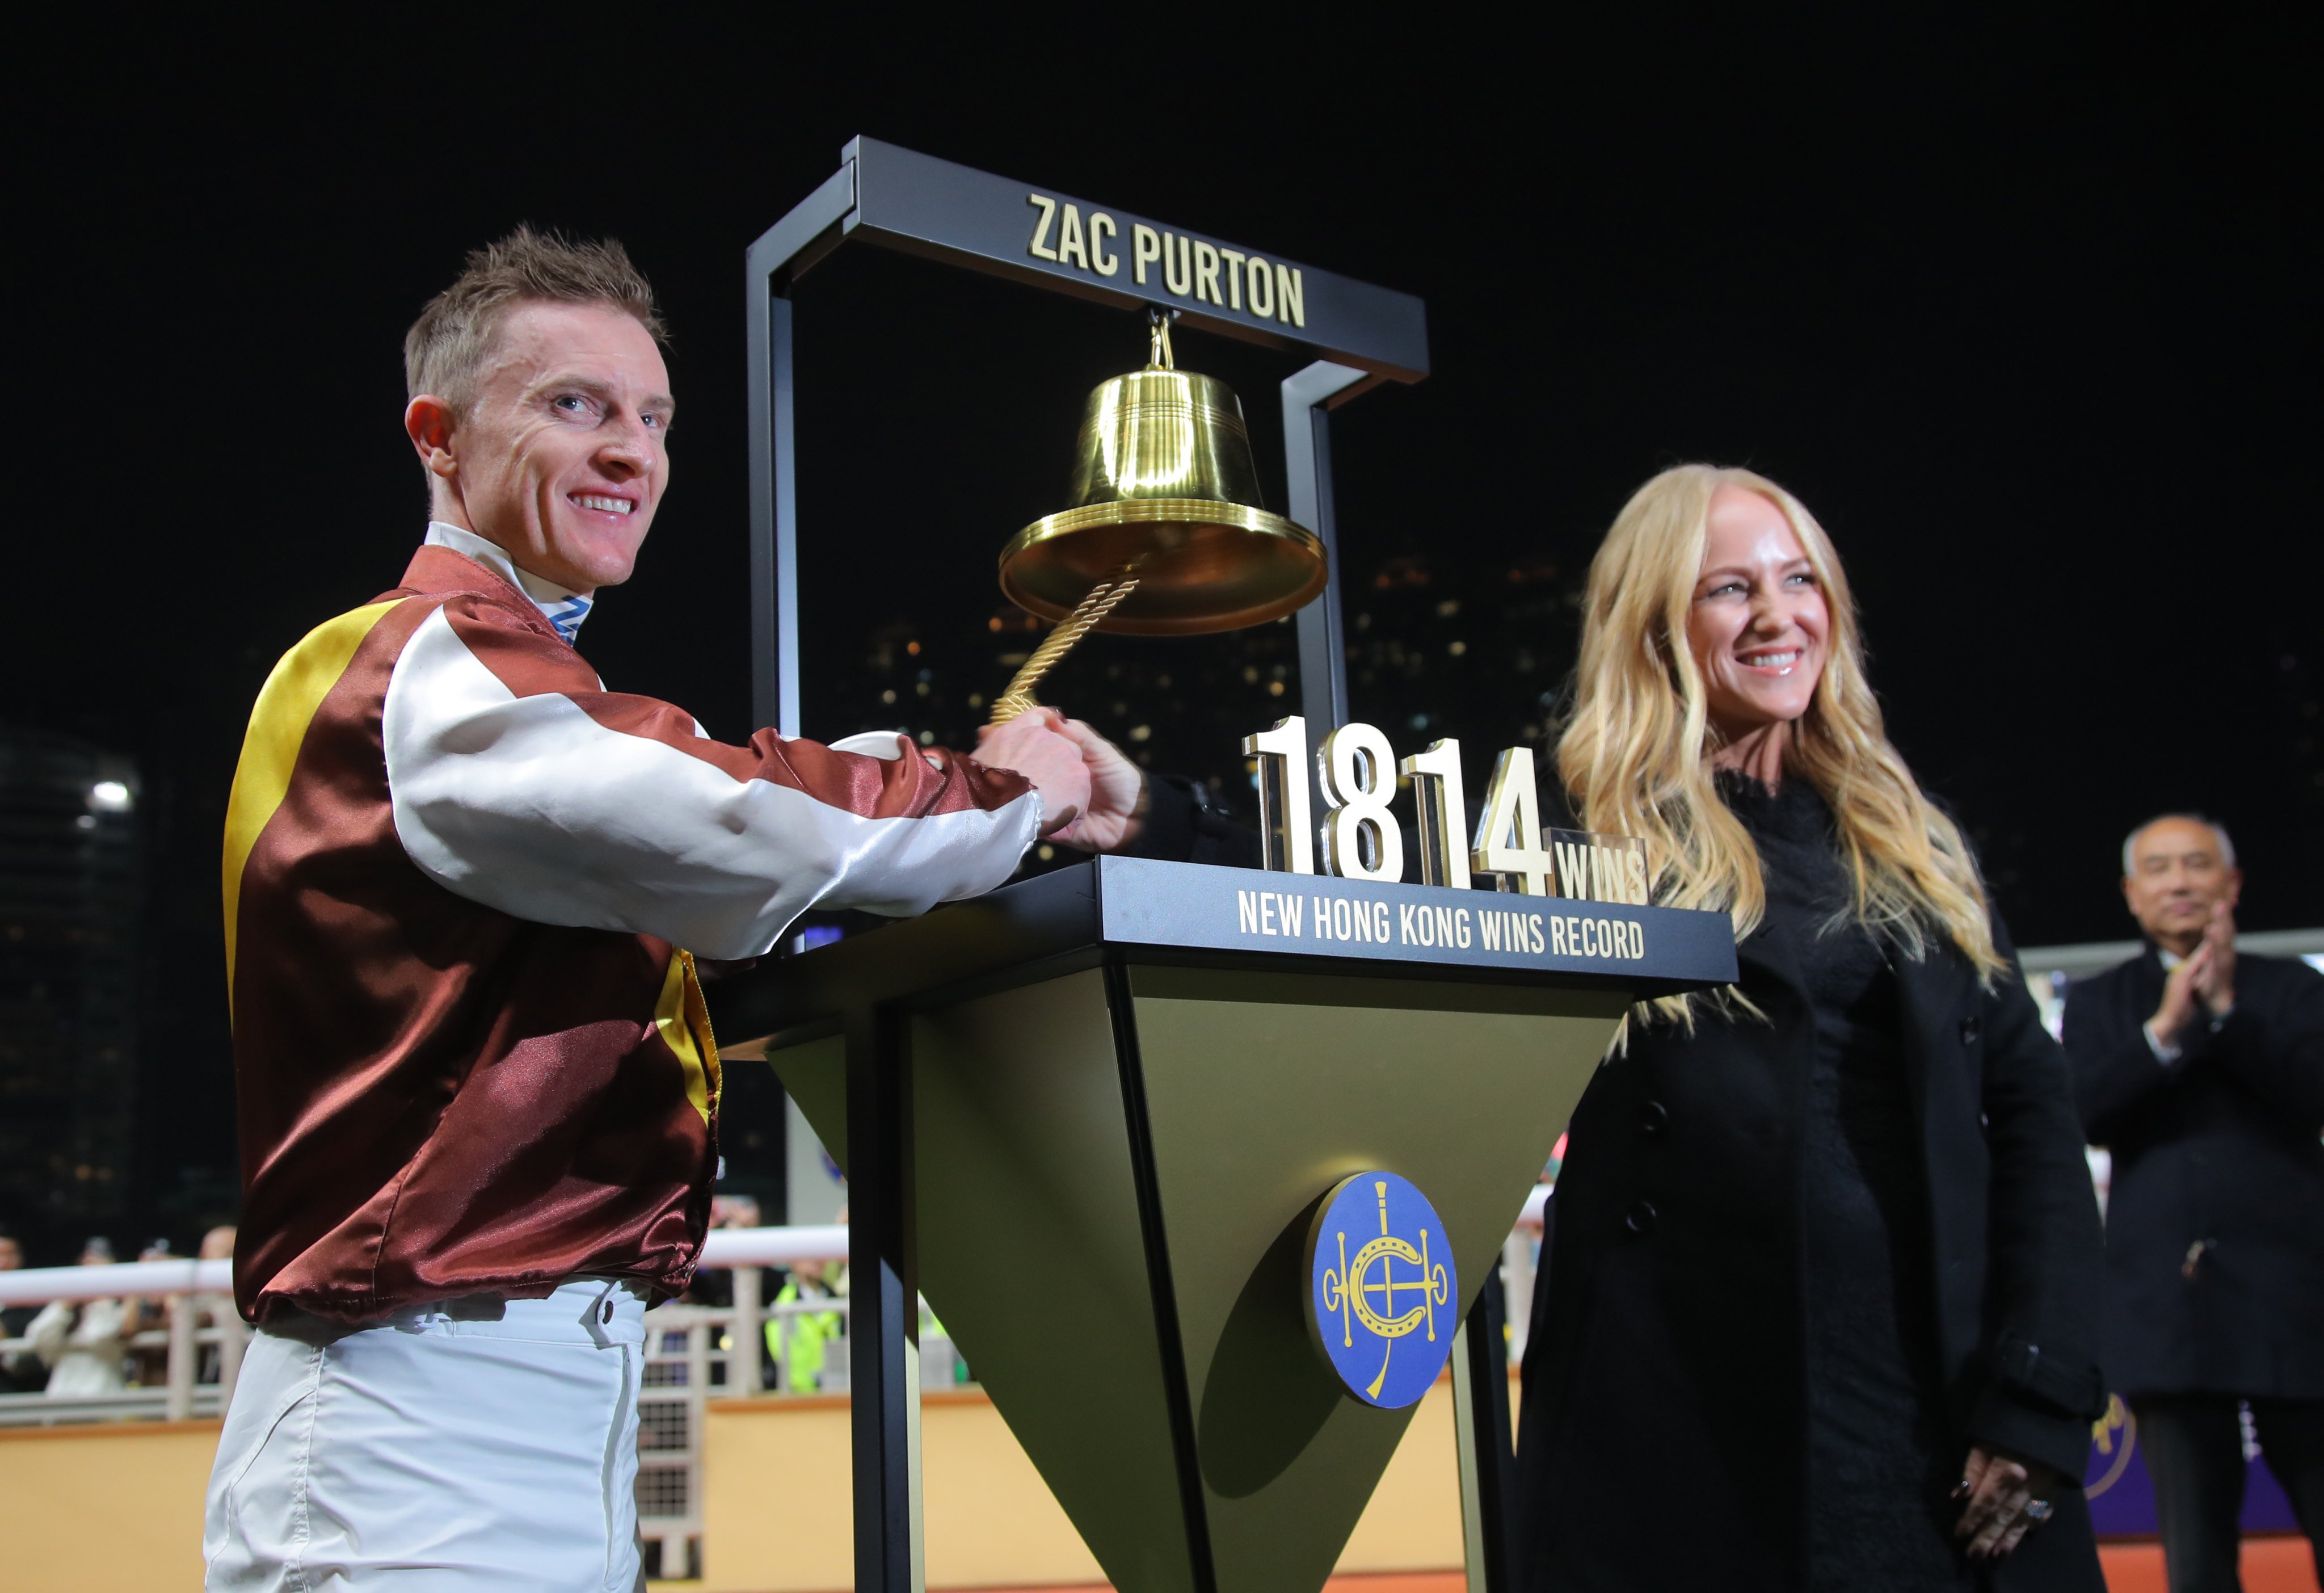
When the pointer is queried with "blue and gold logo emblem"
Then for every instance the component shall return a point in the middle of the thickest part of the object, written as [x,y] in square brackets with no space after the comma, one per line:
[1380,1289]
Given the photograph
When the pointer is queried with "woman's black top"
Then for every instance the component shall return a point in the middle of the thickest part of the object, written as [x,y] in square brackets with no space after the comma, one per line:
[1880,1465]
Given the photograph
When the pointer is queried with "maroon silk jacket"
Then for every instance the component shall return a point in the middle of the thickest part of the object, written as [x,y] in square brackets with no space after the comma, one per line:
[469,1057]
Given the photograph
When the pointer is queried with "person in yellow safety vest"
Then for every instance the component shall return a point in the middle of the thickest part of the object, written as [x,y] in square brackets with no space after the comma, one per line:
[931,1331]
[808,1331]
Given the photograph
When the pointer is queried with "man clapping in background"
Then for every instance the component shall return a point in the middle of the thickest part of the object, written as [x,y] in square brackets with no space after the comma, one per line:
[2202,1071]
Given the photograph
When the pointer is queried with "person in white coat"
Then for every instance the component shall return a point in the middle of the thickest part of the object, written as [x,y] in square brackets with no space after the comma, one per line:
[84,1342]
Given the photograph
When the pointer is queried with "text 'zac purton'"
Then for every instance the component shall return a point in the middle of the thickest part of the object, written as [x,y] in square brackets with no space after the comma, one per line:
[1187,266]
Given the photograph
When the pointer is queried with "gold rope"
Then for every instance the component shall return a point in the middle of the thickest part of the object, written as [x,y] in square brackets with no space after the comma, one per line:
[1058,642]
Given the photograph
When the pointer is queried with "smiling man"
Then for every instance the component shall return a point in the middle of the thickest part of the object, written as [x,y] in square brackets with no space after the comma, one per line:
[465,888]
[2201,1068]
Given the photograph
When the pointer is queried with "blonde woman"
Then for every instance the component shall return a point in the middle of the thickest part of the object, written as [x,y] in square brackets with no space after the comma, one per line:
[1818,1307]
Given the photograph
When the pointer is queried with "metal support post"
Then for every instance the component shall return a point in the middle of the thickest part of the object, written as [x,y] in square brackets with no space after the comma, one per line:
[774,515]
[185,1316]
[1481,1419]
[743,1358]
[883,1303]
[1307,456]
[779,258]
[1518,1270]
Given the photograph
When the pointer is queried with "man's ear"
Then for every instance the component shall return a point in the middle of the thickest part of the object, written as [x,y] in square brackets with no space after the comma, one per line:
[2128,900]
[2233,898]
[428,421]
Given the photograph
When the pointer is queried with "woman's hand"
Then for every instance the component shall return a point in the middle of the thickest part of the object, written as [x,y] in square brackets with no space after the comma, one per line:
[1033,745]
[1117,800]
[2005,1496]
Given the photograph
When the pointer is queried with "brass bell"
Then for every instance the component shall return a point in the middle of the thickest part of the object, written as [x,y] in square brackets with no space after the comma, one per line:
[1167,534]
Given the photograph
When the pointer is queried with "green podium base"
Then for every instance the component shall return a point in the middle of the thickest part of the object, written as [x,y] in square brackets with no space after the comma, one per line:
[1114,1170]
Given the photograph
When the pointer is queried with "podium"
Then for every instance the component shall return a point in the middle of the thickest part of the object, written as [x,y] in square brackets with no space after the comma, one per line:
[1091,1115]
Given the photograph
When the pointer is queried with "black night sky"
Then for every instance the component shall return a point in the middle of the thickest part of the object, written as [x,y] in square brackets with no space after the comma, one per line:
[2028,316]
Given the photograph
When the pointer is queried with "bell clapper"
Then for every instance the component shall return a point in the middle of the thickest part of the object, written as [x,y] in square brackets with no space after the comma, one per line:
[1086,613]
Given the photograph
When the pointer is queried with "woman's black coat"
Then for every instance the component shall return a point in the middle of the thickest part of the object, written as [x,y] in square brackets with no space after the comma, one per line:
[1664,1425]
[1664,1433]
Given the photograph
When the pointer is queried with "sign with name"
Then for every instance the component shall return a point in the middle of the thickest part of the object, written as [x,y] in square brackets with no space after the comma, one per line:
[1187,266]
[923,205]
[1652,951]
[1382,1291]
[1320,917]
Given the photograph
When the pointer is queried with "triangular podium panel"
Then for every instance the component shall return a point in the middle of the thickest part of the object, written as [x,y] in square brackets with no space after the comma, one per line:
[1093,1144]
[1263,1091]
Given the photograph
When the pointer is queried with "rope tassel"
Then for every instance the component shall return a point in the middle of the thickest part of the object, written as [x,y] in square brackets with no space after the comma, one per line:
[1086,615]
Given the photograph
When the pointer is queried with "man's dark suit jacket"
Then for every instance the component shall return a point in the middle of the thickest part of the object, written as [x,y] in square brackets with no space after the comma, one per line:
[2218,1149]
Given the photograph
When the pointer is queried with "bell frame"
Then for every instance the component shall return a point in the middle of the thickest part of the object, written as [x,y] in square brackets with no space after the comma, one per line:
[1359,336]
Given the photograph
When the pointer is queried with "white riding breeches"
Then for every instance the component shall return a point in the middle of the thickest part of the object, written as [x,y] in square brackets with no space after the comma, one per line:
[467,1444]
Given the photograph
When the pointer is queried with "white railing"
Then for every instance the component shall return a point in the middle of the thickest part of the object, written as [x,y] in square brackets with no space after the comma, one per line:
[200,1316]
[39,1285]
[2097,956]
[192,1290]
[694,1354]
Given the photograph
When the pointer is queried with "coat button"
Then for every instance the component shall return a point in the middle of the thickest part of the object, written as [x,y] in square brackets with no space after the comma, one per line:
[1653,1118]
[605,1311]
[1642,1218]
[1971,1028]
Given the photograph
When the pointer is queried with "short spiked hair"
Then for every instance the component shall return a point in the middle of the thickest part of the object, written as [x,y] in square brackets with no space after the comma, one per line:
[444,352]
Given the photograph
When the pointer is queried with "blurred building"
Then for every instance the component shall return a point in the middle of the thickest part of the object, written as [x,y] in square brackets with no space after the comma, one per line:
[69,897]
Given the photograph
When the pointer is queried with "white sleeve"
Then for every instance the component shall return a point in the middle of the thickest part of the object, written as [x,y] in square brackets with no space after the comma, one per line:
[518,783]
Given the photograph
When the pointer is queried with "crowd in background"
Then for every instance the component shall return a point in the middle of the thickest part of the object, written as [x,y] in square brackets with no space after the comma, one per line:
[80,1348]
[89,1348]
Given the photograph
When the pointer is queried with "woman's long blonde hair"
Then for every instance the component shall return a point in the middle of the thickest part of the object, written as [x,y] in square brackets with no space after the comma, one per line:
[1635,756]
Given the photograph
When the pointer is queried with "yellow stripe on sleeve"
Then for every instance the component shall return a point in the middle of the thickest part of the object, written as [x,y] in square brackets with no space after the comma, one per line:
[278,727]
